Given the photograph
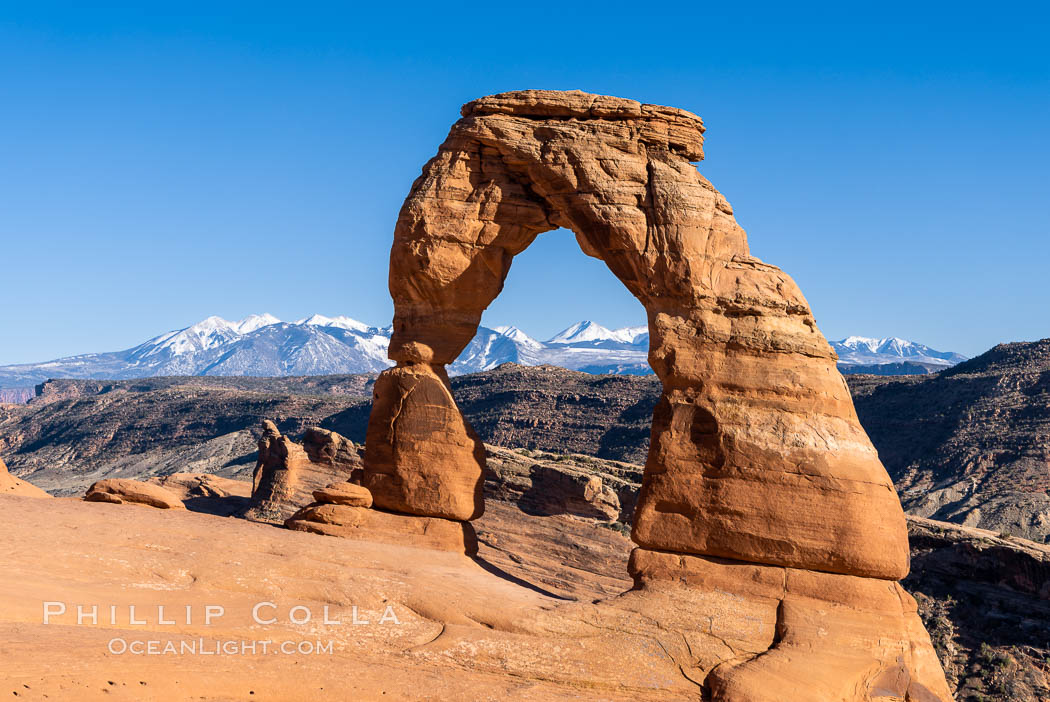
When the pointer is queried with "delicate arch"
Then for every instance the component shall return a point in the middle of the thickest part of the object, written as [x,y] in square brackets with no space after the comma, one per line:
[756,452]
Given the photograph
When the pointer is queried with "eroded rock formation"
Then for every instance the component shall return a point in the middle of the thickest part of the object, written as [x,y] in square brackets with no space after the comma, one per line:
[757,458]
[757,453]
[203,492]
[286,474]
[343,510]
[558,484]
[326,448]
[348,494]
[422,456]
[119,491]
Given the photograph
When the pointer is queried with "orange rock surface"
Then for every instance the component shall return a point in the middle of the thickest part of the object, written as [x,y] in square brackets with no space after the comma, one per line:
[135,492]
[347,494]
[385,527]
[422,457]
[286,474]
[10,485]
[757,453]
[763,502]
[465,629]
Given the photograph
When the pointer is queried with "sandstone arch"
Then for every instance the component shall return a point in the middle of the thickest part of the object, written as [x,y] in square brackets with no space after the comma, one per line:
[756,455]
[765,513]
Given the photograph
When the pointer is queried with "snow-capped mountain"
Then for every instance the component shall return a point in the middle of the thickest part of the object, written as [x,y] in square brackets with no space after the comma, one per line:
[591,332]
[863,351]
[342,321]
[259,345]
[517,336]
[263,345]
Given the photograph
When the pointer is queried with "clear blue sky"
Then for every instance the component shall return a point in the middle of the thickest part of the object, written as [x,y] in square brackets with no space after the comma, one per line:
[161,165]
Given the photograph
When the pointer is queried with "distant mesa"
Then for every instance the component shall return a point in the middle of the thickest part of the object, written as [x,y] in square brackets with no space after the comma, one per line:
[16,396]
[263,345]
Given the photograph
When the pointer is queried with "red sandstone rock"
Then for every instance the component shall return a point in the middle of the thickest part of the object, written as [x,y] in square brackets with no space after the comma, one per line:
[422,456]
[328,448]
[347,494]
[118,491]
[757,464]
[203,492]
[286,474]
[385,527]
[808,635]
[756,454]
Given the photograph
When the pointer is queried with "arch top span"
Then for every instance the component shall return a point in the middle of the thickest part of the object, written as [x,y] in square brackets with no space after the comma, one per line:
[756,451]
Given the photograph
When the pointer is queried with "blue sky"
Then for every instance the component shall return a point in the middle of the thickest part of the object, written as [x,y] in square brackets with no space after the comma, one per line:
[161,165]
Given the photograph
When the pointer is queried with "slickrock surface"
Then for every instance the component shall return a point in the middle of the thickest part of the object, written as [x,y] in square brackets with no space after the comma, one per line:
[10,485]
[468,629]
[136,492]
[361,523]
[564,555]
[757,452]
[800,635]
[286,474]
[974,587]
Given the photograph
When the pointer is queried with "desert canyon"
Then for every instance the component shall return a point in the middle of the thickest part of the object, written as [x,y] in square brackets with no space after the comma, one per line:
[768,538]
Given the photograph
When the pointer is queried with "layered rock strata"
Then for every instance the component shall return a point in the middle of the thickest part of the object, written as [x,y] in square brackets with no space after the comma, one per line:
[343,510]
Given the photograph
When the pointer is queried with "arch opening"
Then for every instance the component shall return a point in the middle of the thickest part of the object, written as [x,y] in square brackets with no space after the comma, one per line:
[755,436]
[551,289]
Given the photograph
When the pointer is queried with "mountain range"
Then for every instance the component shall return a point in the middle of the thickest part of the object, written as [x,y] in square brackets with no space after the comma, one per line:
[863,351]
[263,345]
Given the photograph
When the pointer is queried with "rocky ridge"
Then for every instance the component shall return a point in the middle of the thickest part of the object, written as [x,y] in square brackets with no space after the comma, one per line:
[970,444]
[73,433]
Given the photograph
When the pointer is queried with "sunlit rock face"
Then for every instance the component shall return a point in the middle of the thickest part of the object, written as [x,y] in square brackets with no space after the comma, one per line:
[756,456]
[286,473]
